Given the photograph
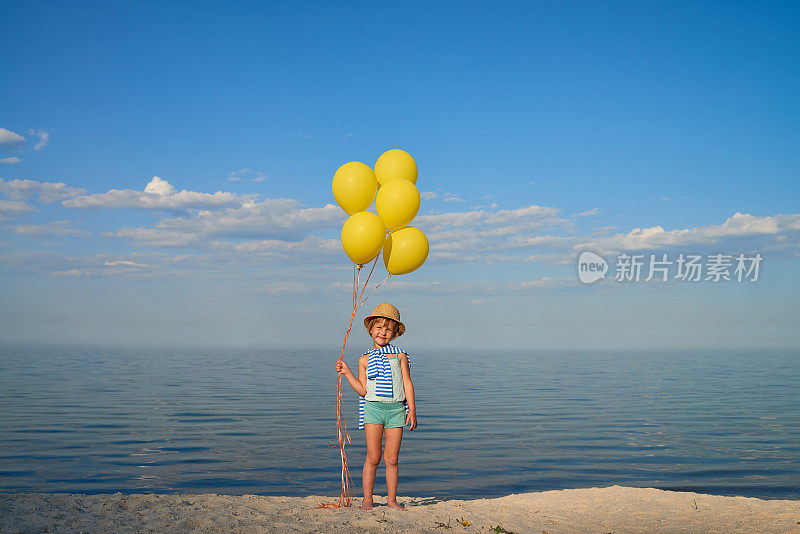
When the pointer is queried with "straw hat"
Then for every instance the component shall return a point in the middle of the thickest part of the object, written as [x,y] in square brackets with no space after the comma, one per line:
[387,311]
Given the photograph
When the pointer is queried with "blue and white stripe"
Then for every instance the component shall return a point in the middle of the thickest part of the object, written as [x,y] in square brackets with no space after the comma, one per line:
[379,369]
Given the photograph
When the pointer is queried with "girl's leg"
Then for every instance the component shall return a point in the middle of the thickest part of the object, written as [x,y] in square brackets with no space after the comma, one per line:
[390,454]
[374,436]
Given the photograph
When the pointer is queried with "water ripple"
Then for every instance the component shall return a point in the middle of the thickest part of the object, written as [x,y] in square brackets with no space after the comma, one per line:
[253,421]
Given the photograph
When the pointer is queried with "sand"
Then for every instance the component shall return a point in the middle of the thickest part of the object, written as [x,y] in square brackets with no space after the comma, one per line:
[596,510]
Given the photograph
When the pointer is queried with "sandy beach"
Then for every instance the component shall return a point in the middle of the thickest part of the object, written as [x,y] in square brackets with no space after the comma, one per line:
[595,510]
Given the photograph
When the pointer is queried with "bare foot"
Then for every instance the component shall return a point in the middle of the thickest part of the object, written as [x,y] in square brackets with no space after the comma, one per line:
[366,505]
[397,506]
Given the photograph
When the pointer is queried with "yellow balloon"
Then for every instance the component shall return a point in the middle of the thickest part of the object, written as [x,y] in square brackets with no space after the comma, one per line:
[354,186]
[397,203]
[395,164]
[363,235]
[405,250]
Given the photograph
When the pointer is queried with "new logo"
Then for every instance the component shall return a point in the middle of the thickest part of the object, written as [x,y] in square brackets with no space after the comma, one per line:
[591,267]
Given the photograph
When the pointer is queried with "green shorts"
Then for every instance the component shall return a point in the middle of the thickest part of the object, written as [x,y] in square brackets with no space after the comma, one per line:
[388,414]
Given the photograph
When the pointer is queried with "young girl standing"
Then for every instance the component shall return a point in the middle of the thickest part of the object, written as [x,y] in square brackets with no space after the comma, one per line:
[386,402]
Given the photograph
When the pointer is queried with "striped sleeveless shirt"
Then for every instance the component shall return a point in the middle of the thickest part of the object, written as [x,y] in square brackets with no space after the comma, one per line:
[379,370]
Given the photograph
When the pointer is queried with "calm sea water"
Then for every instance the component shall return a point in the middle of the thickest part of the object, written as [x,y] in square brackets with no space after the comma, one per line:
[105,419]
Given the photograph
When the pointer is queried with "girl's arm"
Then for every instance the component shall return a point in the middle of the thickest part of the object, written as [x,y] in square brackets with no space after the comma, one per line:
[408,386]
[358,384]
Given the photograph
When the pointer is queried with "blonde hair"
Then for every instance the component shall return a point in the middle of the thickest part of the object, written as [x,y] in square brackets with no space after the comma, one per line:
[372,321]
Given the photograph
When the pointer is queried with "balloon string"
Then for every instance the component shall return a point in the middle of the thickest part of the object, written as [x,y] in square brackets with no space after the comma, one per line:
[376,287]
[345,498]
[360,302]
[355,284]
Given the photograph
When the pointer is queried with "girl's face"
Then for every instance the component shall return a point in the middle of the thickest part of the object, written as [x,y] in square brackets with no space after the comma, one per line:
[382,332]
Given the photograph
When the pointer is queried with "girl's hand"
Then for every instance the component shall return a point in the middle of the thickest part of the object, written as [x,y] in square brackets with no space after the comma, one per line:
[342,367]
[411,420]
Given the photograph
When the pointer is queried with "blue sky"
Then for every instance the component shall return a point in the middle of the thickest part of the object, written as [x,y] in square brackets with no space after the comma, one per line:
[540,130]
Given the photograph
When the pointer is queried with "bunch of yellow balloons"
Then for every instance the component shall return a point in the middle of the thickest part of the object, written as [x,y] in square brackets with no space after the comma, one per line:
[393,186]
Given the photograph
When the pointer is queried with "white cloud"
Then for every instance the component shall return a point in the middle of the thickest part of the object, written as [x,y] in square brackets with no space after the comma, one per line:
[246,175]
[279,219]
[452,197]
[487,237]
[43,136]
[76,273]
[159,187]
[102,265]
[282,287]
[114,263]
[542,241]
[97,272]
[590,213]
[468,254]
[602,230]
[490,236]
[46,191]
[544,282]
[157,195]
[12,208]
[738,226]
[11,161]
[531,216]
[309,245]
[49,230]
[443,196]
[7,137]
[156,237]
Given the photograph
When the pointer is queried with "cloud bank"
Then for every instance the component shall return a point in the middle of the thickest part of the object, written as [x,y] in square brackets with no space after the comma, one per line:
[235,234]
[485,236]
[157,195]
[740,225]
[13,208]
[7,137]
[46,191]
[272,219]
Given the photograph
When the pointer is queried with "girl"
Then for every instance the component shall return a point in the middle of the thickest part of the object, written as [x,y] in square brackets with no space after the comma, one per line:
[386,402]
